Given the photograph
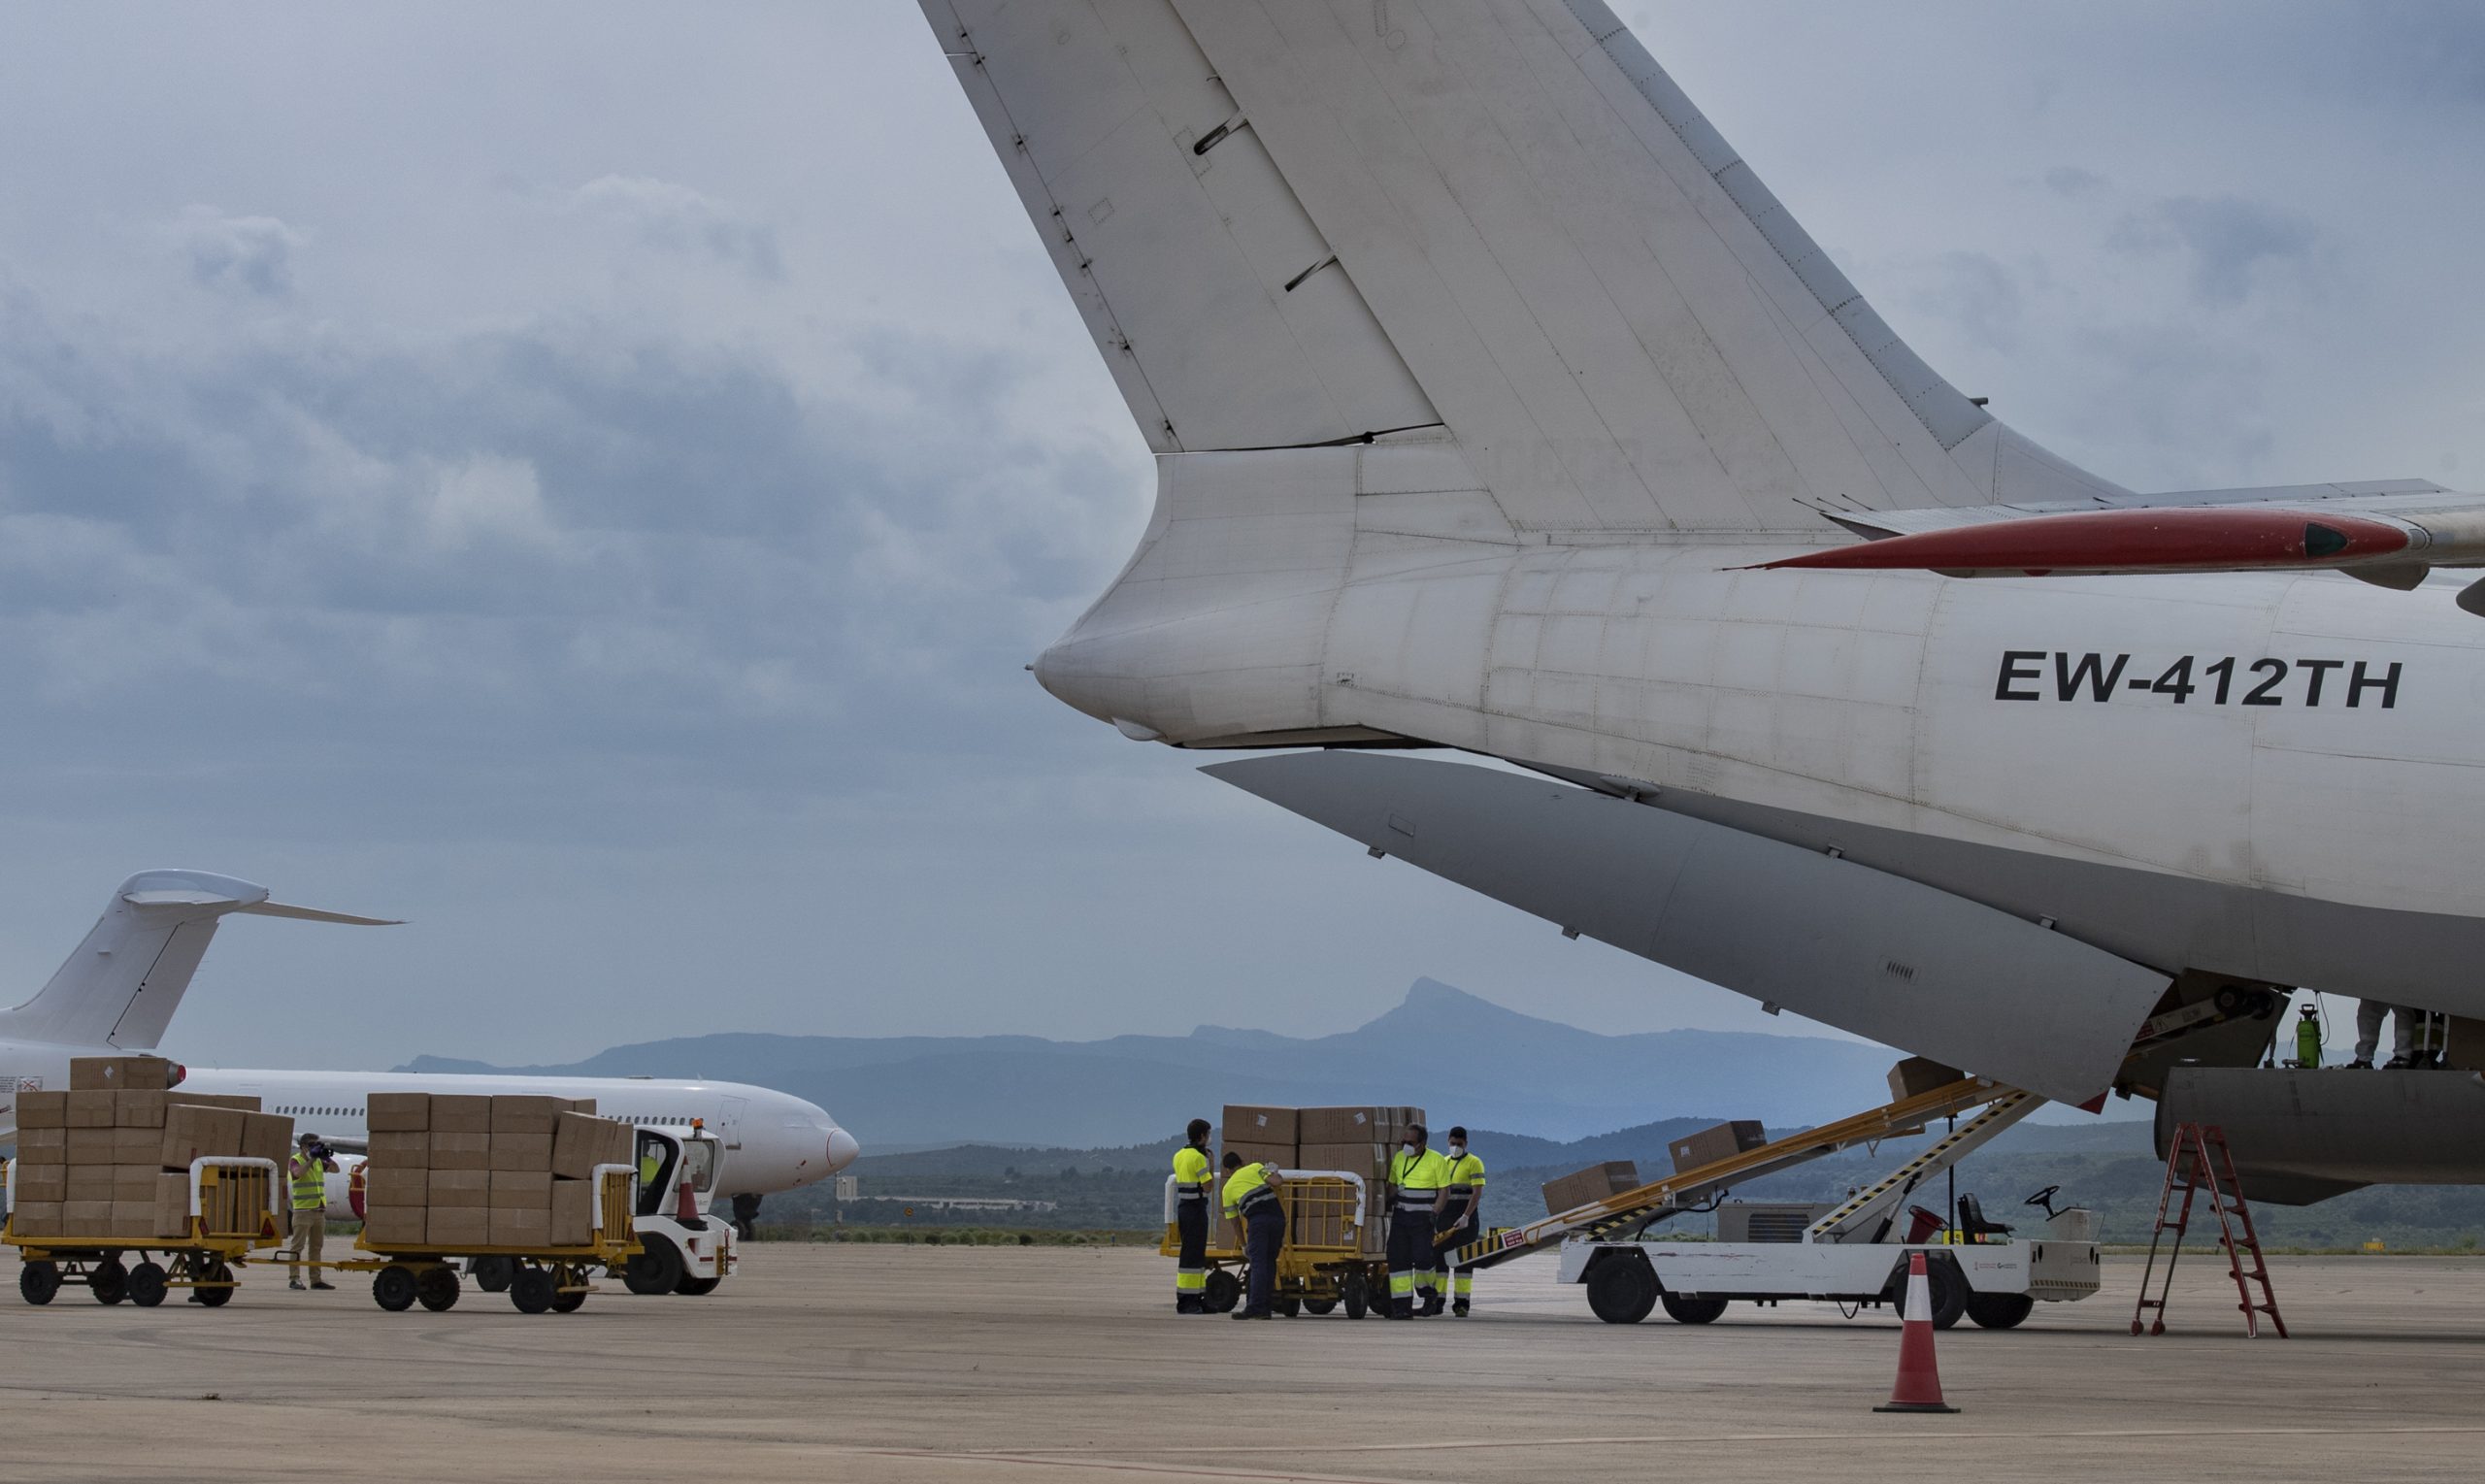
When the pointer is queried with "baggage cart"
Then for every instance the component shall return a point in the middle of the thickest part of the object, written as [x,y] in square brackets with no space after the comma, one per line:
[232,1213]
[540,1278]
[1316,1276]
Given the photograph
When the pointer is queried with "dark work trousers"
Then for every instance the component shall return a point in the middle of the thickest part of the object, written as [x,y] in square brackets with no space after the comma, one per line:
[1264,1236]
[1410,1252]
[1190,1223]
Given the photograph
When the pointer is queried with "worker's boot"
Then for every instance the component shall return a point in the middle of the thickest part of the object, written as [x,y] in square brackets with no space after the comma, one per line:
[295,1284]
[1458,1307]
[1186,1304]
[2361,1064]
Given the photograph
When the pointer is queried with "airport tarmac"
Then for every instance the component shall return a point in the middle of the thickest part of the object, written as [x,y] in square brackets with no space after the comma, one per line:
[921,1366]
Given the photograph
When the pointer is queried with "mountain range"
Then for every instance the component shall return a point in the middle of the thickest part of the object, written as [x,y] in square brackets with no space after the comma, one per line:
[1461,1058]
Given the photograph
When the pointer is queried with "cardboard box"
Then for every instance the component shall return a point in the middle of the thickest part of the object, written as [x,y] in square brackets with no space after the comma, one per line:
[43,1184]
[398,1112]
[42,1147]
[1274,1156]
[267,1136]
[137,1110]
[579,1143]
[395,1185]
[513,1191]
[574,1212]
[459,1227]
[460,1114]
[531,1228]
[112,1074]
[90,1146]
[1918,1076]
[527,1113]
[43,1110]
[38,1218]
[459,1151]
[1251,1125]
[236,1101]
[395,1225]
[172,1205]
[87,1218]
[138,1146]
[138,1182]
[90,1108]
[1338,1125]
[1369,1160]
[461,1187]
[1594,1183]
[584,1105]
[134,1219]
[621,1146]
[1710,1146]
[522,1153]
[401,1150]
[88,1183]
[192,1131]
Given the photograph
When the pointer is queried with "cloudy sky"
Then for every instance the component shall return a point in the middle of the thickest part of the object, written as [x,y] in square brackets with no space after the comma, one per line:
[585,478]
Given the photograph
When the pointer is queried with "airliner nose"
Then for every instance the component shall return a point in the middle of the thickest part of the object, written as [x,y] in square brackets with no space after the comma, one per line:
[842,1150]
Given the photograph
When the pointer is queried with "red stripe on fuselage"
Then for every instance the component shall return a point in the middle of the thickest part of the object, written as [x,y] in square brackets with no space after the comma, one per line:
[2171,540]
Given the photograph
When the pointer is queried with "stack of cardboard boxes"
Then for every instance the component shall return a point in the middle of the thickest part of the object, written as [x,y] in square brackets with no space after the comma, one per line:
[1358,1141]
[110,1158]
[458,1173]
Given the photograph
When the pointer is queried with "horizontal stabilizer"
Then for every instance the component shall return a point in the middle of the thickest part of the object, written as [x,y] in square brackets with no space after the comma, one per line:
[1905,963]
[314,915]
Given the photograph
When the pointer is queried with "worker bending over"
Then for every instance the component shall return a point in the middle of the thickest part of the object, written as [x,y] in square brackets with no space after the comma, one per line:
[1258,1218]
[307,1171]
[1416,1179]
[1192,1174]
[1462,1202]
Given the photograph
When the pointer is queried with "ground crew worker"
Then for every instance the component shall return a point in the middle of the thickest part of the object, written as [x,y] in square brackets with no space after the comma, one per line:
[1462,1202]
[2368,1019]
[1258,1219]
[309,1170]
[1416,1176]
[1192,1173]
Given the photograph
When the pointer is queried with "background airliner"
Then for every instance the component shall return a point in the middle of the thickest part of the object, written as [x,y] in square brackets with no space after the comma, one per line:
[118,993]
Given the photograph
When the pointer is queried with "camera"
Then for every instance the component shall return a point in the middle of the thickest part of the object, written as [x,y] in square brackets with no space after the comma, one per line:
[319,1151]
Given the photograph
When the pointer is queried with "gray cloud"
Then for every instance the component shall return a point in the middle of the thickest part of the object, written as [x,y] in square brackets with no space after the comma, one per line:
[674,217]
[2230,243]
[237,254]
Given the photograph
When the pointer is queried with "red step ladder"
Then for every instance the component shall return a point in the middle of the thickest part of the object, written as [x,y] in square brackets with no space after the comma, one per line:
[2198,1161]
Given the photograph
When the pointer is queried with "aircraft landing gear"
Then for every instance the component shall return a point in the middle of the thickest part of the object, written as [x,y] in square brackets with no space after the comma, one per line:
[746,1216]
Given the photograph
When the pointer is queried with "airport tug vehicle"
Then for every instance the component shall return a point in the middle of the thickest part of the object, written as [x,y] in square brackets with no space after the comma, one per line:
[679,1249]
[1844,1253]
[233,1212]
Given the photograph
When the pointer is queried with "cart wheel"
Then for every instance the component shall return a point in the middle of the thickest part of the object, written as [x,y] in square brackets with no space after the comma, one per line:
[146,1286]
[1622,1288]
[107,1280]
[37,1282]
[435,1288]
[491,1274]
[393,1288]
[1292,1308]
[697,1288]
[567,1303]
[1320,1305]
[2000,1311]
[216,1284]
[657,1269]
[1684,1309]
[1224,1291]
[1350,1292]
[532,1290]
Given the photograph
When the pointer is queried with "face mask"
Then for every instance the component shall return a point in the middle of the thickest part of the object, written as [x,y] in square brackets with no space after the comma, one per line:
[1456,1150]
[1408,1146]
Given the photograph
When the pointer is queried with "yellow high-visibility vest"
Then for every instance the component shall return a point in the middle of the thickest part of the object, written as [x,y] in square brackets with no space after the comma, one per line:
[1246,1190]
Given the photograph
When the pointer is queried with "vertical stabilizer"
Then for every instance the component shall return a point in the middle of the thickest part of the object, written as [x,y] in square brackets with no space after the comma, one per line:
[122,986]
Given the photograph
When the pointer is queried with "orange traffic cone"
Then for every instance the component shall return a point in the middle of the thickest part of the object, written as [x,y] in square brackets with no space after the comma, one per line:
[1920,1383]
[686,1206]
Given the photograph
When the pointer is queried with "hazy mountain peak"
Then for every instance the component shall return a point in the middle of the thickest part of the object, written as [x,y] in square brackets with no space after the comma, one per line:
[1433,1008]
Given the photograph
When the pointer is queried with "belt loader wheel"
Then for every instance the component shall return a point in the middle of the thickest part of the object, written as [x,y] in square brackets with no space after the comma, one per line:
[1622,1288]
[1948,1291]
[1685,1308]
[395,1288]
[107,1280]
[1224,1291]
[2000,1311]
[492,1274]
[532,1290]
[435,1288]
[37,1282]
[147,1285]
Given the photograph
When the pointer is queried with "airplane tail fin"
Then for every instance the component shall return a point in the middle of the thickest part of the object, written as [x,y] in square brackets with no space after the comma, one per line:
[122,986]
[1495,224]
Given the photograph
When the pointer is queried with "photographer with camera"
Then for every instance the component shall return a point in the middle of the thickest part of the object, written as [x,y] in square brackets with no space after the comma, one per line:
[309,1169]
